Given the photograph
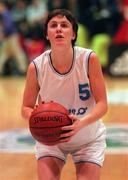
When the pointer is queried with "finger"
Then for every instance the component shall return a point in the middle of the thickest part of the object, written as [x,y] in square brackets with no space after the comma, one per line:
[67,128]
[64,139]
[66,134]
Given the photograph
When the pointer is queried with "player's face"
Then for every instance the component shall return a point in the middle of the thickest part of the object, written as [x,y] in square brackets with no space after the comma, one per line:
[60,31]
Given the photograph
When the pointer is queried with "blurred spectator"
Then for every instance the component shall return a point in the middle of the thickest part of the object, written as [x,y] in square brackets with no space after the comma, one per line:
[1,33]
[36,13]
[99,16]
[18,12]
[72,6]
[34,48]
[10,46]
[9,3]
[118,50]
[121,36]
[57,4]
[100,19]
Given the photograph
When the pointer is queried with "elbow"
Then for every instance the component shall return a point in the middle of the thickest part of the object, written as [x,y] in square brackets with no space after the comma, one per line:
[23,112]
[26,112]
[105,109]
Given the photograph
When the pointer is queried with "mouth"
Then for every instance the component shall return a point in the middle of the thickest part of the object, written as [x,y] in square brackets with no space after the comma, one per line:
[59,37]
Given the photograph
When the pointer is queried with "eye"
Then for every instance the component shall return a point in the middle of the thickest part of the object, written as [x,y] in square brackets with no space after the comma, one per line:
[53,25]
[64,25]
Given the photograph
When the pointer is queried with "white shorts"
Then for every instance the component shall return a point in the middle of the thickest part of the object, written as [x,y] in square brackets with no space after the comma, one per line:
[92,152]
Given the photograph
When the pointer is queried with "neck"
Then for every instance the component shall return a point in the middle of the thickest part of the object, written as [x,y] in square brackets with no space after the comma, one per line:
[62,56]
[62,59]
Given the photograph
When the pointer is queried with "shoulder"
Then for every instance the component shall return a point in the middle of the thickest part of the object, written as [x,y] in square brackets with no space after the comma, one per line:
[44,55]
[93,59]
[94,65]
[87,52]
[80,50]
[35,64]
[83,54]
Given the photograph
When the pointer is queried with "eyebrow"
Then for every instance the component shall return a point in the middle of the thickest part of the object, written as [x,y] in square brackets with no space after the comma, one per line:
[53,21]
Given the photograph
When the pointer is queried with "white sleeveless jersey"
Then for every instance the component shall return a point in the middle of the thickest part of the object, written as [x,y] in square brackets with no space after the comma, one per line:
[72,90]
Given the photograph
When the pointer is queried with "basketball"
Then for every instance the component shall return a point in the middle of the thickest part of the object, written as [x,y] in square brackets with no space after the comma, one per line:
[46,122]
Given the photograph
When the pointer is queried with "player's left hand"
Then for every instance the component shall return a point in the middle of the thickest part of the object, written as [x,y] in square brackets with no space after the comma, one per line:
[71,130]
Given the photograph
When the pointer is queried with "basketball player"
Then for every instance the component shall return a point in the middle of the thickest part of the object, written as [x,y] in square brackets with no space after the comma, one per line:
[71,76]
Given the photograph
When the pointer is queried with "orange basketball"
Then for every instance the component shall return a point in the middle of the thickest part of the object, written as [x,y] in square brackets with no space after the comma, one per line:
[46,122]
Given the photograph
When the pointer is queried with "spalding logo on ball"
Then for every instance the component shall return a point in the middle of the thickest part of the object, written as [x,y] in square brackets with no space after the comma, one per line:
[46,122]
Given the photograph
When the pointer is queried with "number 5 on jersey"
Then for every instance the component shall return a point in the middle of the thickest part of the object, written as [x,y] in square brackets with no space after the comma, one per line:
[84,91]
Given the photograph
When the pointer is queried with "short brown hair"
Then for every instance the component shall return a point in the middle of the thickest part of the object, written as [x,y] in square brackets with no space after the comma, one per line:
[68,15]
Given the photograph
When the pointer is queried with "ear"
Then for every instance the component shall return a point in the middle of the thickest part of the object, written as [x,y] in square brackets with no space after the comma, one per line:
[73,37]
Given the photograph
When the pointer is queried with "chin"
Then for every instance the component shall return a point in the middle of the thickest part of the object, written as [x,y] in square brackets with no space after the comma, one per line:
[60,43]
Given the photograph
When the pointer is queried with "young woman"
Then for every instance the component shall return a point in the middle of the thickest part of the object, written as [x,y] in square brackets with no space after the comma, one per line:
[71,76]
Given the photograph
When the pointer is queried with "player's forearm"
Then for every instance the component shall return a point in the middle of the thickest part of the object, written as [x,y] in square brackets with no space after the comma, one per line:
[26,112]
[97,113]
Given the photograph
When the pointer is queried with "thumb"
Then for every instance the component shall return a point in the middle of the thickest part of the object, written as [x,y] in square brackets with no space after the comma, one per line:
[73,118]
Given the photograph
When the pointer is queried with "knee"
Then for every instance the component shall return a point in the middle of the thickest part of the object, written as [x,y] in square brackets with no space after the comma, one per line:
[88,171]
[49,168]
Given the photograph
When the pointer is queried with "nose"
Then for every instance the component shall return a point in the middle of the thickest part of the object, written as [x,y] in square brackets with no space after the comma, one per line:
[58,28]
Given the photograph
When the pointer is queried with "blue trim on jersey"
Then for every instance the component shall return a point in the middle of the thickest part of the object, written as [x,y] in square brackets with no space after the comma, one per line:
[88,62]
[35,68]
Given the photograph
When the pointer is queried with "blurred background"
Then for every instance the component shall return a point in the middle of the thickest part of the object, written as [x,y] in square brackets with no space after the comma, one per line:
[103,27]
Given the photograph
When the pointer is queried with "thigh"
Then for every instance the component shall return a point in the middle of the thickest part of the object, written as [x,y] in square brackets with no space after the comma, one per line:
[87,171]
[93,152]
[49,168]
[89,159]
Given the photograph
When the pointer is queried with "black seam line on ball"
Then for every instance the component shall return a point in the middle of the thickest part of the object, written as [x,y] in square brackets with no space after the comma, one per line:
[36,127]
[49,111]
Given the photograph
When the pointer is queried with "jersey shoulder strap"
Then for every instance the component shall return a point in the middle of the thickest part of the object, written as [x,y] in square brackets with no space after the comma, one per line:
[87,57]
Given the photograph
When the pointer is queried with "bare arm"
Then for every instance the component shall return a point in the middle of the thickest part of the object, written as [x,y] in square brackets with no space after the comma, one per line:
[30,92]
[99,92]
